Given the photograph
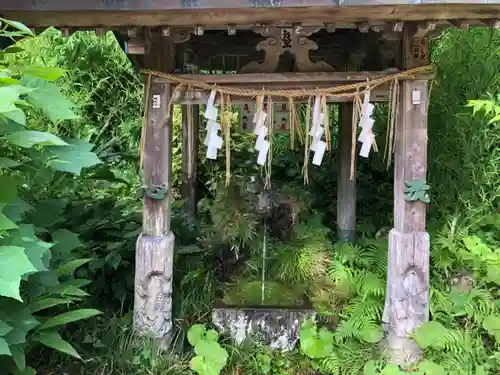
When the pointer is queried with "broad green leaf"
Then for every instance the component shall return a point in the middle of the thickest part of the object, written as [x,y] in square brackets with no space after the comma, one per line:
[210,359]
[45,72]
[9,126]
[16,209]
[46,303]
[49,99]
[68,290]
[211,335]
[113,259]
[13,265]
[9,95]
[39,283]
[4,328]
[55,341]
[46,213]
[35,249]
[17,115]
[8,189]
[30,138]
[371,333]
[370,368]
[70,267]
[17,352]
[315,343]
[72,160]
[4,347]
[13,49]
[431,368]
[9,81]
[8,163]
[481,370]
[16,315]
[391,370]
[26,371]
[18,26]
[69,317]
[430,334]
[196,333]
[492,324]
[493,273]
[65,242]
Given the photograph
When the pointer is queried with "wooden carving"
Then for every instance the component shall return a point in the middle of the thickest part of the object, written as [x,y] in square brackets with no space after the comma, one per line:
[280,40]
[407,295]
[153,291]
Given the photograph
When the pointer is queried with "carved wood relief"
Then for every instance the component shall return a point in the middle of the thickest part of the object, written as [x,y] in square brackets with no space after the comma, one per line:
[280,40]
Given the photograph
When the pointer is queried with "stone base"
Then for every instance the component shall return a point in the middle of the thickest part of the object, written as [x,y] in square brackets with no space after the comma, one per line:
[277,328]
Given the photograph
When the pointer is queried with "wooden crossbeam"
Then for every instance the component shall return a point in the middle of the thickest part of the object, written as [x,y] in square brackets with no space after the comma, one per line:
[271,80]
[137,16]
[283,81]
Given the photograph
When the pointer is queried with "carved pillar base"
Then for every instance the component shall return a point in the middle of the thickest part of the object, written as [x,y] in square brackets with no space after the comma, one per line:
[153,287]
[407,294]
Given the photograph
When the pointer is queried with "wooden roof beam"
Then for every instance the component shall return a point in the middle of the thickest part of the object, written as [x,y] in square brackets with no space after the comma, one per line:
[246,17]
[461,24]
[493,23]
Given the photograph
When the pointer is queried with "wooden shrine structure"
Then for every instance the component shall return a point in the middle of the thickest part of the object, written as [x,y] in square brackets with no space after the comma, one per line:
[276,45]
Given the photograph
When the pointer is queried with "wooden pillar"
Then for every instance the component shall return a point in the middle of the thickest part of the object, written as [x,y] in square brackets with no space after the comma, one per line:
[190,127]
[155,245]
[407,295]
[346,188]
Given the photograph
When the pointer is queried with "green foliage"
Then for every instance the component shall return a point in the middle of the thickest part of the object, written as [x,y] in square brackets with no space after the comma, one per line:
[96,216]
[423,368]
[38,288]
[249,293]
[315,343]
[210,357]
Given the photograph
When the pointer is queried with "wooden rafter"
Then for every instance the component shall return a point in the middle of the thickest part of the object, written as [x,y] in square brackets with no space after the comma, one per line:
[251,16]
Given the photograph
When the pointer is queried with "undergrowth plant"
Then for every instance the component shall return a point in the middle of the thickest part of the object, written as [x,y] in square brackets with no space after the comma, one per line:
[39,293]
[210,357]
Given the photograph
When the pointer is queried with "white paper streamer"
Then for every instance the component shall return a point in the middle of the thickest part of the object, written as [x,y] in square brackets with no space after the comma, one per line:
[366,137]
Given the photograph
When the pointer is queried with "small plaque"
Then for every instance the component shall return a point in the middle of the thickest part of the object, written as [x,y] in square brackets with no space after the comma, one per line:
[156,101]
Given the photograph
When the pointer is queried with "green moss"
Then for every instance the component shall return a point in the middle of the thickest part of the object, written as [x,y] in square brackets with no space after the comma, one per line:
[248,293]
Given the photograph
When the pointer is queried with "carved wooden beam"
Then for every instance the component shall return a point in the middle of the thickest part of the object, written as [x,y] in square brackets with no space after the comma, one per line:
[330,27]
[424,28]
[231,29]
[280,40]
[461,24]
[493,23]
[363,27]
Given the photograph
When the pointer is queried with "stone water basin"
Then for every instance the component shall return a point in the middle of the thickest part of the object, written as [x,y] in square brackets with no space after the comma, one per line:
[274,327]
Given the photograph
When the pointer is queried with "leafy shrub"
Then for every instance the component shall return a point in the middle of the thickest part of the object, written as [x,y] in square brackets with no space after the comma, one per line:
[210,357]
[38,289]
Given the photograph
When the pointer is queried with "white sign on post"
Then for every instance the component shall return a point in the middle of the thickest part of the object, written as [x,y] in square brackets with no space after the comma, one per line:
[156,101]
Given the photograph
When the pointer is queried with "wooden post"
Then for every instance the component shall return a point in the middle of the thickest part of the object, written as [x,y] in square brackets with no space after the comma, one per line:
[407,294]
[346,189]
[155,245]
[190,127]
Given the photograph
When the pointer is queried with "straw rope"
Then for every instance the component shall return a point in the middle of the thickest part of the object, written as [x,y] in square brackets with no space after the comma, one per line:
[290,93]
